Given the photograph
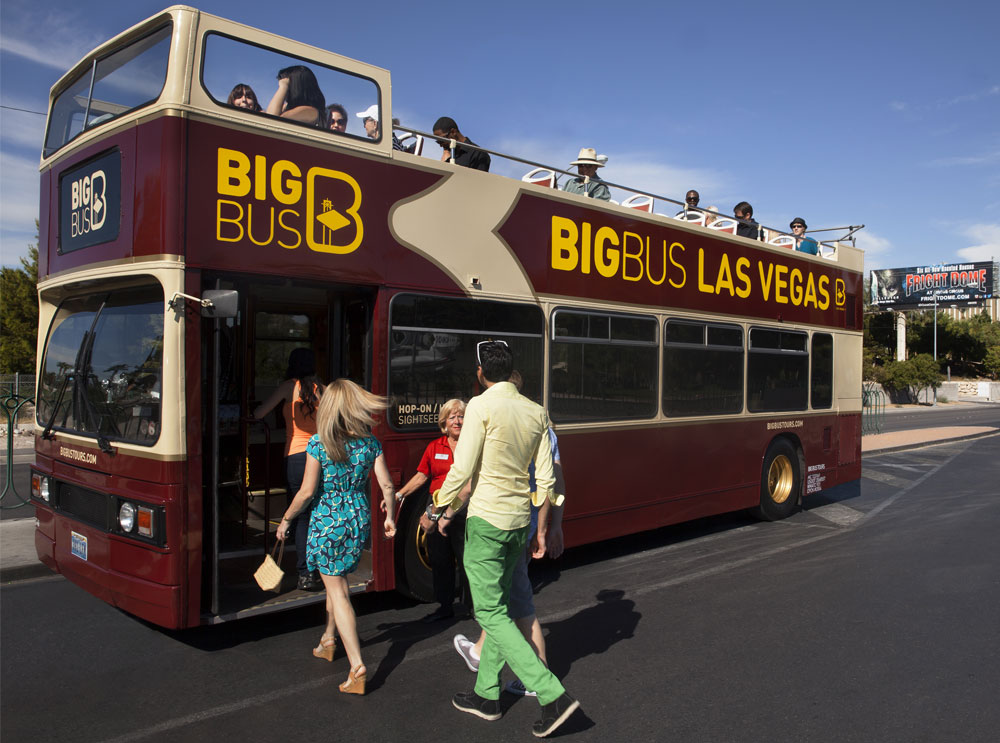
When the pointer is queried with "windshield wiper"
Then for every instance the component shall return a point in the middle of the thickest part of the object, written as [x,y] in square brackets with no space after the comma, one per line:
[71,377]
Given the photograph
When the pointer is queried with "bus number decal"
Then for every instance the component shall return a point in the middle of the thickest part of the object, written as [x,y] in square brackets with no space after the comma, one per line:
[332,203]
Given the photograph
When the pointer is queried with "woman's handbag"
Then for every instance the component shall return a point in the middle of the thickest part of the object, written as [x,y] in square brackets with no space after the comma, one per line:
[269,574]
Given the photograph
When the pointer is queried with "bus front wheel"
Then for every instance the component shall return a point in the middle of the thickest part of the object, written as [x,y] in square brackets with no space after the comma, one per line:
[780,481]
[417,580]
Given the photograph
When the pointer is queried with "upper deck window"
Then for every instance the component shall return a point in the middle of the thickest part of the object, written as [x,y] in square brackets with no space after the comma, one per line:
[231,67]
[115,84]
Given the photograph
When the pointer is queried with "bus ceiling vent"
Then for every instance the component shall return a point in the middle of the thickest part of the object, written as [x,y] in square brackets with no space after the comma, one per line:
[475,283]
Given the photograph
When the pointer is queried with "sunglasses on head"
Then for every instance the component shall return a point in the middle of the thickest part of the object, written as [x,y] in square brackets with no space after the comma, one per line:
[479,345]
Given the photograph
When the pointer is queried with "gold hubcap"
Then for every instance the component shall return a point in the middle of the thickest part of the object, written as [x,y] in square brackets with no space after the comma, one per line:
[779,479]
[423,549]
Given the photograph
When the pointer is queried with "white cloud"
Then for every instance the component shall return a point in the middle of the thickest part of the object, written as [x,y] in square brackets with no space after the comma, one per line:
[987,237]
[982,158]
[22,129]
[874,245]
[972,97]
[18,205]
[56,40]
[897,105]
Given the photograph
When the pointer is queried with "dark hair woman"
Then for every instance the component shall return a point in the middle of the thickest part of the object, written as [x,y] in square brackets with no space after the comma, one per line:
[298,96]
[242,96]
[300,393]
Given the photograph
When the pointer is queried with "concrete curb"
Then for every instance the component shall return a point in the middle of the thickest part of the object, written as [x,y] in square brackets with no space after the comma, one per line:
[922,444]
[20,573]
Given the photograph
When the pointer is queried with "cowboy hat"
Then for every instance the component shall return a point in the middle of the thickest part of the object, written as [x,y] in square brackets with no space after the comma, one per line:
[588,156]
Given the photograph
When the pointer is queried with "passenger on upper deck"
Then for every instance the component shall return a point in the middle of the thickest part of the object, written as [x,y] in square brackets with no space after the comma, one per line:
[748,227]
[298,96]
[803,244]
[336,117]
[242,96]
[690,210]
[446,129]
[373,127]
[587,182]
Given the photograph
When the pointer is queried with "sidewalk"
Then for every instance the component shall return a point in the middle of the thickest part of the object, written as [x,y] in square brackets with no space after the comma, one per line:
[18,560]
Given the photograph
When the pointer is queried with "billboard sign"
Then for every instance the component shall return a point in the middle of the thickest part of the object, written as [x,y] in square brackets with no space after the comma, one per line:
[918,288]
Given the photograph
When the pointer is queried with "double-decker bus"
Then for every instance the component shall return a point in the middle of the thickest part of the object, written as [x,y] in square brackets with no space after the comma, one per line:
[187,246]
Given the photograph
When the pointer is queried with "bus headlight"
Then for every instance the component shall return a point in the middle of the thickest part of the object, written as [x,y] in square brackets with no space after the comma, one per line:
[126,517]
[40,486]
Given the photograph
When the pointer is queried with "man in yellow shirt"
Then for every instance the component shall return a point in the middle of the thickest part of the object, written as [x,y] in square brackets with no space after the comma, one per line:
[502,433]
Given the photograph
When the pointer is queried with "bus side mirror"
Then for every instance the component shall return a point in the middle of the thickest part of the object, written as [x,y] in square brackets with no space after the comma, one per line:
[220,303]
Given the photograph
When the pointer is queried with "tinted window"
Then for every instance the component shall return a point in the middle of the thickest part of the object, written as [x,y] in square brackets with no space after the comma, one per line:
[103,363]
[822,370]
[602,367]
[432,352]
[122,81]
[777,371]
[702,369]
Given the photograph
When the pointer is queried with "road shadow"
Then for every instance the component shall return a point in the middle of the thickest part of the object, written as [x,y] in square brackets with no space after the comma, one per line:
[591,631]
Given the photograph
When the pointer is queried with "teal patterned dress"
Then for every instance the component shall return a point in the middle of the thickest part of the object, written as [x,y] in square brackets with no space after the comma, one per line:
[341,517]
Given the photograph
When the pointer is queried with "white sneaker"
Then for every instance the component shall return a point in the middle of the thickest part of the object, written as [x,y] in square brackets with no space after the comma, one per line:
[516,687]
[464,647]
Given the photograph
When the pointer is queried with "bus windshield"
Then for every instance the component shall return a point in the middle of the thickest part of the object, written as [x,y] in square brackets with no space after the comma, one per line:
[113,85]
[103,363]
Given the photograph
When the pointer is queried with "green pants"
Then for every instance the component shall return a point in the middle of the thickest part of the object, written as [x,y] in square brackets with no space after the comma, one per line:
[491,555]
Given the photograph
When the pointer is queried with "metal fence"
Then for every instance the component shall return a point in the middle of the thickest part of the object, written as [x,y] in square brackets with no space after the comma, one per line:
[872,408]
[18,407]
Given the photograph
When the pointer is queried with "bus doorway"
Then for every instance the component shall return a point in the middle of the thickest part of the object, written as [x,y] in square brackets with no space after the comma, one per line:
[245,491]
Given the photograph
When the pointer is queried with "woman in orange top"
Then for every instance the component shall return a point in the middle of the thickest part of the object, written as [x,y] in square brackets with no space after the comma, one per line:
[300,394]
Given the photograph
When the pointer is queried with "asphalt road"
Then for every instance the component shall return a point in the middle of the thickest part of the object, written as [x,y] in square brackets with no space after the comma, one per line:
[869,616]
[978,414]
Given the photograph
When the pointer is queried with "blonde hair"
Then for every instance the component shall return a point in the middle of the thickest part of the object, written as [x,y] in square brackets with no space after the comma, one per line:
[346,412]
[446,410]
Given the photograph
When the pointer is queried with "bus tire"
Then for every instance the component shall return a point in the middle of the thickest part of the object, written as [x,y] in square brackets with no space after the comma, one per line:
[780,481]
[414,578]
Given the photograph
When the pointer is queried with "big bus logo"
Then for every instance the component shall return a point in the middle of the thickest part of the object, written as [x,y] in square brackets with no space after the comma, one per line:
[89,205]
[90,202]
[331,221]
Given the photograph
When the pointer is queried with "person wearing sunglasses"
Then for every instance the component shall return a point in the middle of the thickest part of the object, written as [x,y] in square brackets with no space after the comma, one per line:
[447,132]
[748,226]
[502,433]
[336,118]
[803,244]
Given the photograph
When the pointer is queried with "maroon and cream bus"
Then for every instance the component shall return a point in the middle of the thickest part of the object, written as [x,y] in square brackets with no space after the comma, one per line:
[187,246]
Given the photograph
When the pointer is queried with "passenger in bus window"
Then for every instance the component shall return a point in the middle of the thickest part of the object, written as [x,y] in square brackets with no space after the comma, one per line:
[340,460]
[803,244]
[545,536]
[371,120]
[747,227]
[446,130]
[336,118]
[587,182]
[242,96]
[298,96]
[446,549]
[299,397]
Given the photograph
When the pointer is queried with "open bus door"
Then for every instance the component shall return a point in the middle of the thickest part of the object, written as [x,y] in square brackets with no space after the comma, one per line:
[245,494]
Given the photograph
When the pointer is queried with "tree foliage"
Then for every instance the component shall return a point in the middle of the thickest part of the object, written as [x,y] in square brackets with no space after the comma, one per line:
[19,315]
[912,376]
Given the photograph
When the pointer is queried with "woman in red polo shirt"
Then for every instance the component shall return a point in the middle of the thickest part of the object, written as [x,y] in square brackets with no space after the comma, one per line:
[446,550]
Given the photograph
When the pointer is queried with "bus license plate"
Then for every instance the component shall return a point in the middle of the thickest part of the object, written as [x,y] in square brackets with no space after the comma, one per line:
[79,545]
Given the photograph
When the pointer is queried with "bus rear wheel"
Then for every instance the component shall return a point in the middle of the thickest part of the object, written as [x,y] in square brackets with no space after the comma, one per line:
[780,481]
[417,580]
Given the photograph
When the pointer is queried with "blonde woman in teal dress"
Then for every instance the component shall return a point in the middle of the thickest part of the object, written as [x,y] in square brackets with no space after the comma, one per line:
[342,454]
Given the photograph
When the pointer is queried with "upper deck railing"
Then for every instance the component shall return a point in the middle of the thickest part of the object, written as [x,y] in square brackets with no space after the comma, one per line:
[187,61]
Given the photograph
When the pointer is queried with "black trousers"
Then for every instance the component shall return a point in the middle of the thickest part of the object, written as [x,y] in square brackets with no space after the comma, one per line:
[447,566]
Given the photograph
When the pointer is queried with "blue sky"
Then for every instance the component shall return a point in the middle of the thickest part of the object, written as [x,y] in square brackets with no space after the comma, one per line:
[874,113]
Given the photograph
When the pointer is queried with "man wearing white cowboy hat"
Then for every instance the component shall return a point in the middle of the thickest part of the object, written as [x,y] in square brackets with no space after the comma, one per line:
[587,183]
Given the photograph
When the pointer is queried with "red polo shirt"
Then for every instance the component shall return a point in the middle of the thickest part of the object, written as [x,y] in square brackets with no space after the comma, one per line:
[436,462]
